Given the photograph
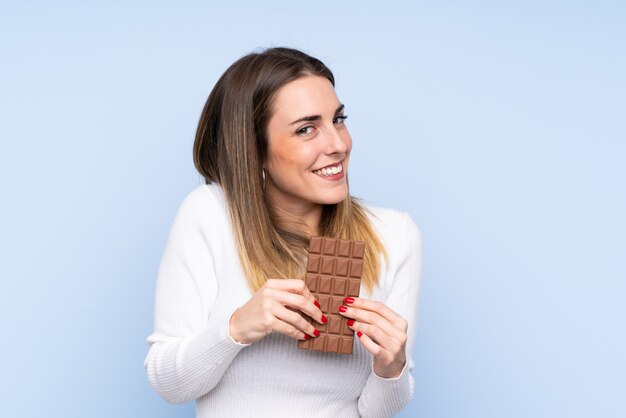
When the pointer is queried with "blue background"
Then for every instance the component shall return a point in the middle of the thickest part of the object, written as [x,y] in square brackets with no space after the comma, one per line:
[500,126]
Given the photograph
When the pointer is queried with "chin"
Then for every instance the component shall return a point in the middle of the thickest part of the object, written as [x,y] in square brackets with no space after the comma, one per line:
[333,198]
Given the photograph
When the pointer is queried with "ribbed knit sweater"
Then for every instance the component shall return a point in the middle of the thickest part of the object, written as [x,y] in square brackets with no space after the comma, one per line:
[192,355]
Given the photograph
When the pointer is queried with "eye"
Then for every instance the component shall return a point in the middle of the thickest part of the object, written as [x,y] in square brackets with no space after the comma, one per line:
[305,130]
[340,119]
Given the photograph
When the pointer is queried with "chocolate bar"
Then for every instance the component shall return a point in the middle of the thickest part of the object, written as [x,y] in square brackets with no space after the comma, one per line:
[334,269]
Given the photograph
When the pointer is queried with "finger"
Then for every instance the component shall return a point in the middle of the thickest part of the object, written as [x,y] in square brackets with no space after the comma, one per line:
[295,320]
[379,337]
[370,317]
[289,330]
[291,285]
[299,302]
[383,310]
[369,345]
[381,353]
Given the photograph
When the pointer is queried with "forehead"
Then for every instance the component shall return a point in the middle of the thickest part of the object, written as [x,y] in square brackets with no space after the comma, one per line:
[309,95]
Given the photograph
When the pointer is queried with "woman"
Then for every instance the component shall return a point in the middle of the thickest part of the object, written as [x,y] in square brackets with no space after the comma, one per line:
[273,148]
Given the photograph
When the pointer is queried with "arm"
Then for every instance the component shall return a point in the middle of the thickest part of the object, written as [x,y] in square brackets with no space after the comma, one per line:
[190,348]
[385,397]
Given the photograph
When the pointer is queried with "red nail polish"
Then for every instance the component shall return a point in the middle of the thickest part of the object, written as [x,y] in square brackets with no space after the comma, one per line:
[316,303]
[324,319]
[343,308]
[349,300]
[307,336]
[350,322]
[317,333]
[359,333]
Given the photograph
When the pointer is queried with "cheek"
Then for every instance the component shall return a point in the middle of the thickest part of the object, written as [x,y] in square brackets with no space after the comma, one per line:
[300,158]
[308,157]
[278,155]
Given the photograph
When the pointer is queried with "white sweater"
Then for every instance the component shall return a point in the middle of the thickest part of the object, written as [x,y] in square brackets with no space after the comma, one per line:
[193,356]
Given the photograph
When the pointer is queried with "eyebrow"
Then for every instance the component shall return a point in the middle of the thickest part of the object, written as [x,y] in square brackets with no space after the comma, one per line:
[316,117]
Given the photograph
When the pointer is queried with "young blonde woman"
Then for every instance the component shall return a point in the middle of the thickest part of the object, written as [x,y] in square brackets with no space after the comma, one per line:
[274,150]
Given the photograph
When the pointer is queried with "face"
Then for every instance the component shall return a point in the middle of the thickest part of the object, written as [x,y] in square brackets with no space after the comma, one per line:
[308,146]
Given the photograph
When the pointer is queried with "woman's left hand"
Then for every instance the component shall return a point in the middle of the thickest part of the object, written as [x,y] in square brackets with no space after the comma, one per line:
[381,331]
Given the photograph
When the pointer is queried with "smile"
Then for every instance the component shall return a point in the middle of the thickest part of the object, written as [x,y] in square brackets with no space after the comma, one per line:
[330,170]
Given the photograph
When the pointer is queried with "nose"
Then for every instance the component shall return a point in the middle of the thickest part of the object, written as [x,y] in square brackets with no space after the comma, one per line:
[334,141]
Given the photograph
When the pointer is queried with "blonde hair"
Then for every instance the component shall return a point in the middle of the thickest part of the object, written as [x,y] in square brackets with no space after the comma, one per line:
[229,149]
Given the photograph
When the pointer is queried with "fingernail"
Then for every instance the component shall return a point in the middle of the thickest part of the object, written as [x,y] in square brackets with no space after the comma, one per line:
[316,303]
[324,319]
[343,308]
[307,336]
[359,333]
[349,300]
[316,332]
[350,322]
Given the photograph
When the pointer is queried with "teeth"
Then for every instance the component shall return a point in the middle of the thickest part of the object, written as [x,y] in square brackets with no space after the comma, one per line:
[329,171]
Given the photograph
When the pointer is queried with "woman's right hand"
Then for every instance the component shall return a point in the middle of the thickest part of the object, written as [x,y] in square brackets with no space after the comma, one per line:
[270,310]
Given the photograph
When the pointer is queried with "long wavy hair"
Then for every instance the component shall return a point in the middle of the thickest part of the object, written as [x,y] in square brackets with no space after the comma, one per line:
[230,148]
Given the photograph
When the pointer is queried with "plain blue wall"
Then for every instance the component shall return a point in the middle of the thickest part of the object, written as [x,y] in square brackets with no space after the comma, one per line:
[500,126]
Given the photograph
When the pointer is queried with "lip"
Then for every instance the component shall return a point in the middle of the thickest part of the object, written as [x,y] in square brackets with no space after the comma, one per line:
[333,177]
[337,164]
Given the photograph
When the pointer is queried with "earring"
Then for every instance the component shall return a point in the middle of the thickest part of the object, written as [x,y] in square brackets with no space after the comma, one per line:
[263,177]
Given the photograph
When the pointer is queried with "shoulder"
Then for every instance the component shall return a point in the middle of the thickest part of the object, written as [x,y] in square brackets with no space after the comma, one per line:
[397,230]
[392,223]
[402,240]
[204,203]
[205,196]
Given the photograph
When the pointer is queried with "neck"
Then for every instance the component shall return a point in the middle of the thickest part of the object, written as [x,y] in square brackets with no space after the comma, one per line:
[303,219]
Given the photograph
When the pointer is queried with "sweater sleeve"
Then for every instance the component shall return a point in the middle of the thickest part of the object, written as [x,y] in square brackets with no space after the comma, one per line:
[385,397]
[190,349]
